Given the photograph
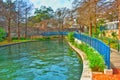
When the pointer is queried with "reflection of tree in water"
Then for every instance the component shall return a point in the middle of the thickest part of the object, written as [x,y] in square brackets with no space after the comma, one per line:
[70,52]
[60,41]
[9,49]
[19,48]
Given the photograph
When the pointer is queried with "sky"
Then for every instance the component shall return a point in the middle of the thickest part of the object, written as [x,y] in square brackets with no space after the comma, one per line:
[52,3]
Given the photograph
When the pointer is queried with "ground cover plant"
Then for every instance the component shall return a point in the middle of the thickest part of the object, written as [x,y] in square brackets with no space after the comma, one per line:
[96,61]
[2,34]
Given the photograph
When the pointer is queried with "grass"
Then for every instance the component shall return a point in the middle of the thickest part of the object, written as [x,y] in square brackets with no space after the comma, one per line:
[13,41]
[42,39]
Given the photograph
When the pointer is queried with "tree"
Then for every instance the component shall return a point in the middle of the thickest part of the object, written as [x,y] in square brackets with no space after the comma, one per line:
[85,11]
[60,14]
[8,13]
[94,9]
[2,20]
[28,8]
[43,13]
[22,10]
[19,5]
[118,2]
[12,13]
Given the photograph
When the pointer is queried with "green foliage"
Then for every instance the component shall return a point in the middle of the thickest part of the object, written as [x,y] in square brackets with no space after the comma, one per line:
[114,35]
[113,43]
[71,37]
[100,23]
[42,39]
[96,60]
[70,52]
[2,34]
[22,38]
[43,13]
[96,35]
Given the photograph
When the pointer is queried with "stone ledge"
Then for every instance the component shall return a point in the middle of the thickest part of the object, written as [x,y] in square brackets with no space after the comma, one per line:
[87,72]
[108,71]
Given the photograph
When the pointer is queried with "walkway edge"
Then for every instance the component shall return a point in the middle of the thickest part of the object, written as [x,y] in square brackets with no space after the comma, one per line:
[87,73]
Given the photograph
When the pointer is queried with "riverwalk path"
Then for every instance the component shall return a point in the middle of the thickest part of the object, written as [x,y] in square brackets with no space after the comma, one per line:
[115,59]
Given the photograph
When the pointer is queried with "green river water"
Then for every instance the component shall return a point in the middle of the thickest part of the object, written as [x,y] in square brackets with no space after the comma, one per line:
[41,60]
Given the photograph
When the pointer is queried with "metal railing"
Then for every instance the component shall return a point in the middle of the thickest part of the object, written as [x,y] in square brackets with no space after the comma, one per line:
[98,45]
[53,33]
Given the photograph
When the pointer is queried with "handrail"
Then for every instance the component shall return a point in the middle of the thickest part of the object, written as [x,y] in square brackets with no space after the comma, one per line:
[98,45]
[54,33]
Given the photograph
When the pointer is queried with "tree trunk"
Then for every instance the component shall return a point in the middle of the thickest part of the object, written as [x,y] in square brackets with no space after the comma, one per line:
[18,24]
[82,28]
[90,19]
[119,18]
[9,23]
[62,25]
[95,25]
[26,26]
[9,30]
[18,30]
[95,17]
[90,29]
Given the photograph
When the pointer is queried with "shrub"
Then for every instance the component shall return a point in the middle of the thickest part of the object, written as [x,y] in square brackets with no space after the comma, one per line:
[2,34]
[114,35]
[71,37]
[42,39]
[21,38]
[95,59]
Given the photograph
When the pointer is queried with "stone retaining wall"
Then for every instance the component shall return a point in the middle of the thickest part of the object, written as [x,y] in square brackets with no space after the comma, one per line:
[87,73]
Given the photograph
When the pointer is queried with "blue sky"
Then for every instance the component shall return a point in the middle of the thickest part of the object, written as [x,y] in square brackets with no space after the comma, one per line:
[52,3]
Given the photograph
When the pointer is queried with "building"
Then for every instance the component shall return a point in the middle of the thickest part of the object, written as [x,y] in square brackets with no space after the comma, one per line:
[111,27]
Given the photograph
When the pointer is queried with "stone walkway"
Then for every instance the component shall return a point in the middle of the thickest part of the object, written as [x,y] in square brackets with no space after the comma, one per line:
[115,59]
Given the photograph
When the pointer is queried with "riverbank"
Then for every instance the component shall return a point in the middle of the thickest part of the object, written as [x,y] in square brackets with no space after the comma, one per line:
[86,73]
[5,42]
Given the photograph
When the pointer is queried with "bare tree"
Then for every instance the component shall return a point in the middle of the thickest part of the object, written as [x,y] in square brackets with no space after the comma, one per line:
[61,13]
[20,8]
[118,2]
[91,10]
[28,8]
[18,19]
[85,11]
[8,13]
[2,20]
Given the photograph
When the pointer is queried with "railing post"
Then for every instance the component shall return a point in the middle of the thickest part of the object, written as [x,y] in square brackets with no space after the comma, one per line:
[109,42]
[118,46]
[108,59]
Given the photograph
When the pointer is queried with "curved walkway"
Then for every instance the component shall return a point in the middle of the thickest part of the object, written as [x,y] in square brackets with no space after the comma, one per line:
[115,59]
